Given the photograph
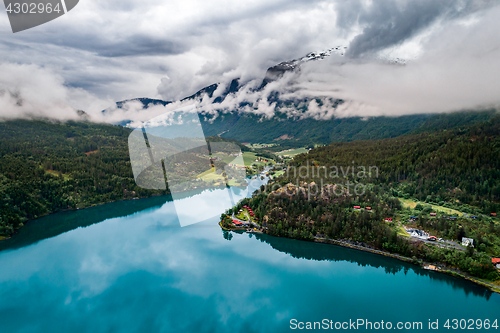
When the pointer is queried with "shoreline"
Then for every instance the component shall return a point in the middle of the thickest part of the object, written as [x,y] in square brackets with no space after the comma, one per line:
[77,209]
[169,195]
[454,273]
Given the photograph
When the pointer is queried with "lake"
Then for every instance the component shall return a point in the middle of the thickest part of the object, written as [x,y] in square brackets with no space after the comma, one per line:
[129,267]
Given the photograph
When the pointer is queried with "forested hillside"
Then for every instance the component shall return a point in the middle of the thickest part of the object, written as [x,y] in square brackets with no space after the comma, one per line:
[50,166]
[250,128]
[304,212]
[448,172]
[46,167]
[447,167]
[303,130]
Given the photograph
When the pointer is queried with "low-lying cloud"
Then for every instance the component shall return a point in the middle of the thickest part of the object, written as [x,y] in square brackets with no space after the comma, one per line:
[93,60]
[30,91]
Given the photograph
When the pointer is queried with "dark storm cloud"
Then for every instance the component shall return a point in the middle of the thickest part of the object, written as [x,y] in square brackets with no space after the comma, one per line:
[137,45]
[387,23]
[189,44]
[114,46]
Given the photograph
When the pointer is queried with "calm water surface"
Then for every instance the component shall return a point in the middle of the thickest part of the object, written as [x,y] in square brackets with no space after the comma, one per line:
[129,267]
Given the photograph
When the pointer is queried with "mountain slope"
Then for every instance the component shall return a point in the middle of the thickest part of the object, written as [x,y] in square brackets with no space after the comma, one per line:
[302,130]
[458,167]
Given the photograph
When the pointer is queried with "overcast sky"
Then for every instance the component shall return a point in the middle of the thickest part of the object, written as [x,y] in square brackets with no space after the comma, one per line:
[106,51]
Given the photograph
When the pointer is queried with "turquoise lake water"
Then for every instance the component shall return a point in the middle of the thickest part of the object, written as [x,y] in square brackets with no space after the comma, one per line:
[129,267]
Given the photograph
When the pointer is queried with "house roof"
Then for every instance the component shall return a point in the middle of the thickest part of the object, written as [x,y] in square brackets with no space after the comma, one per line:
[495,260]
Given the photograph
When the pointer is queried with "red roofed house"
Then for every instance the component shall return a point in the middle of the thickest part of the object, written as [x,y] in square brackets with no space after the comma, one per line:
[237,222]
[433,214]
[432,238]
[357,207]
[496,262]
[368,208]
[388,219]
[493,214]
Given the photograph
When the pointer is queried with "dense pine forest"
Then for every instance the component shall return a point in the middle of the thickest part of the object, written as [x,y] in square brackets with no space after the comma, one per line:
[458,168]
[49,166]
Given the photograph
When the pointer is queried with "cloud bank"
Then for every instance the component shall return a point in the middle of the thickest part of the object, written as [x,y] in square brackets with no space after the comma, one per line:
[107,51]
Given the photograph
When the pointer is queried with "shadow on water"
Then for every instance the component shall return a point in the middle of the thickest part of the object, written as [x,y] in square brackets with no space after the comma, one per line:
[58,223]
[318,251]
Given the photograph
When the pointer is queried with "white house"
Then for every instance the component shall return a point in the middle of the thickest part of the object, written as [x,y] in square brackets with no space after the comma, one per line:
[466,241]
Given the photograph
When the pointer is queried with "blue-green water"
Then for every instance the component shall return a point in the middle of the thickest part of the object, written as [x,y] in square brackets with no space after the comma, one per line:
[141,272]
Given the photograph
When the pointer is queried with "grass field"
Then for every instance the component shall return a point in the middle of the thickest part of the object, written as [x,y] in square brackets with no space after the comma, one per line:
[402,232]
[279,173]
[292,152]
[412,203]
[210,175]
[242,216]
[250,157]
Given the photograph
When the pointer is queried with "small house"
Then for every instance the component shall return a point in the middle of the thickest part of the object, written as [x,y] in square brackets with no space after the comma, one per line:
[432,238]
[433,214]
[493,214]
[357,207]
[388,219]
[452,218]
[496,262]
[466,241]
[368,208]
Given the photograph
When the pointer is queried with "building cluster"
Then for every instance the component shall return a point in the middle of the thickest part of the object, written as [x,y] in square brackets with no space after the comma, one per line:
[359,207]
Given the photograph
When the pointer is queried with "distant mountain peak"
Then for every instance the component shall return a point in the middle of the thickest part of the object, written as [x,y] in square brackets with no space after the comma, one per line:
[275,72]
